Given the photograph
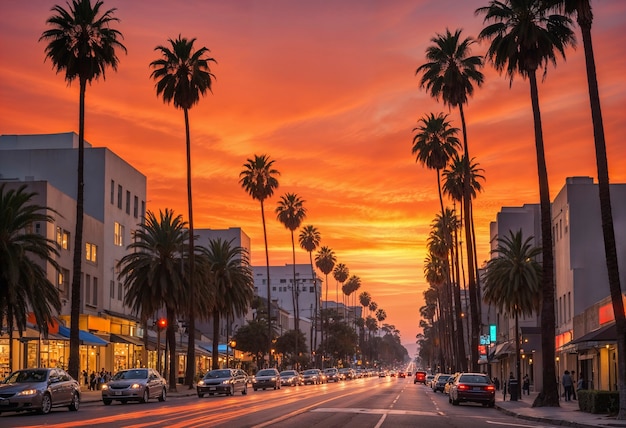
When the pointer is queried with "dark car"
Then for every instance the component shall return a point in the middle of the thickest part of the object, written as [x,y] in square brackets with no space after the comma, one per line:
[332,375]
[139,384]
[420,377]
[40,390]
[439,382]
[266,378]
[401,375]
[223,381]
[312,376]
[290,378]
[472,387]
[348,373]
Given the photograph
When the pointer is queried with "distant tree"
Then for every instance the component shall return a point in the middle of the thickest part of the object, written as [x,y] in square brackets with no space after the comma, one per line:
[292,344]
[310,239]
[82,44]
[252,339]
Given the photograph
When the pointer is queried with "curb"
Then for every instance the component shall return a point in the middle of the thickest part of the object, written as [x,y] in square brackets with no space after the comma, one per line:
[551,421]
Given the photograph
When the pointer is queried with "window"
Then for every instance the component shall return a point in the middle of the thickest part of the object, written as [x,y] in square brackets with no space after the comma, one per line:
[112,290]
[66,283]
[119,291]
[311,289]
[88,289]
[59,236]
[65,241]
[284,281]
[136,207]
[143,209]
[112,192]
[38,228]
[127,202]
[95,291]
[119,196]
[91,252]
[569,305]
[118,238]
[273,288]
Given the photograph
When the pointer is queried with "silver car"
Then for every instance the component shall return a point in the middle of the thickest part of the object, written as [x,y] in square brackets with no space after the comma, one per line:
[40,390]
[139,384]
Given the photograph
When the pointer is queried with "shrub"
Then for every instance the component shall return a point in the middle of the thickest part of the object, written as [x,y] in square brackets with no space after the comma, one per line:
[593,401]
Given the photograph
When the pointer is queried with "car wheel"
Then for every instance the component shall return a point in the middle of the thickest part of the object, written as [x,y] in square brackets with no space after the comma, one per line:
[163,395]
[455,402]
[231,391]
[106,402]
[146,396]
[46,404]
[245,390]
[255,388]
[200,395]
[75,403]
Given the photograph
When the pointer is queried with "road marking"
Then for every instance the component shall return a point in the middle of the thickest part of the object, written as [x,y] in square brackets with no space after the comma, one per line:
[511,424]
[380,422]
[374,411]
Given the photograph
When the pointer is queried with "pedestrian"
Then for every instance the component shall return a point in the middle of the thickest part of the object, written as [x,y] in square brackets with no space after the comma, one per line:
[568,385]
[508,384]
[85,378]
[92,381]
[573,376]
[496,382]
[526,385]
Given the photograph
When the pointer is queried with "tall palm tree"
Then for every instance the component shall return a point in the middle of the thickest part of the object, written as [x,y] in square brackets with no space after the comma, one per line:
[381,315]
[291,212]
[354,283]
[24,285]
[513,282]
[365,298]
[231,280]
[341,274]
[182,74]
[450,74]
[259,180]
[152,275]
[310,239]
[325,260]
[82,44]
[525,38]
[584,17]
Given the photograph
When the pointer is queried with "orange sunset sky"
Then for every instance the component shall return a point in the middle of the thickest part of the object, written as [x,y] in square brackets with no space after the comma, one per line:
[327,89]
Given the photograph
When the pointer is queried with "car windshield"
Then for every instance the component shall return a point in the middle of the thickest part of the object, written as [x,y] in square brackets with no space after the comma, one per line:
[443,378]
[288,373]
[310,372]
[25,376]
[266,373]
[217,374]
[473,379]
[131,374]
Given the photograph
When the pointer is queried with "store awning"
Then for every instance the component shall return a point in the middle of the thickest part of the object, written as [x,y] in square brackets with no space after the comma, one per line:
[504,349]
[599,337]
[131,340]
[85,337]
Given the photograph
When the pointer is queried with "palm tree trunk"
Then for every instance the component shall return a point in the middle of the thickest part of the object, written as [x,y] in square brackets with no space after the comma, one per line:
[294,294]
[550,394]
[191,324]
[269,295]
[585,18]
[478,292]
[313,277]
[216,340]
[518,366]
[74,360]
[462,359]
[171,341]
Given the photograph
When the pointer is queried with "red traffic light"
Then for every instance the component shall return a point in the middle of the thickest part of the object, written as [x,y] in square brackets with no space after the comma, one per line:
[162,323]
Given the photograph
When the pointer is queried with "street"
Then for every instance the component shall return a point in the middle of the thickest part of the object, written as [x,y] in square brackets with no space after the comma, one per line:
[369,402]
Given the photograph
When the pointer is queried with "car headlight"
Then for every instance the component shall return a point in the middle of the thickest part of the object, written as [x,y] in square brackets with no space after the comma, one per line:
[201,383]
[274,379]
[227,381]
[105,387]
[28,392]
[135,386]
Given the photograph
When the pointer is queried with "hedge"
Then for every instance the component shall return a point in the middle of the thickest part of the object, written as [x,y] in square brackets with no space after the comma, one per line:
[594,401]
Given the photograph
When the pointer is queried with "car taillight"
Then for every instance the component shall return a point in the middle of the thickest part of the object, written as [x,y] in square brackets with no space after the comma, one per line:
[490,388]
[463,387]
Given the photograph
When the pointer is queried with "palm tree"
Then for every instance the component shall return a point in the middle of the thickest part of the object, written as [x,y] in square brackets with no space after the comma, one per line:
[341,274]
[310,239]
[291,212]
[182,75]
[82,44]
[24,285]
[365,298]
[513,282]
[381,315]
[524,39]
[353,283]
[584,17]
[451,73]
[152,275]
[231,281]
[259,180]
[434,144]
[325,260]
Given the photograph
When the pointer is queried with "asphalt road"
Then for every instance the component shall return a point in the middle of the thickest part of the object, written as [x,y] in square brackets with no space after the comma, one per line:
[363,403]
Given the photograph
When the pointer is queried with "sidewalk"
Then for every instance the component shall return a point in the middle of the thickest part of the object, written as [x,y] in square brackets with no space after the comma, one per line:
[87,396]
[568,414]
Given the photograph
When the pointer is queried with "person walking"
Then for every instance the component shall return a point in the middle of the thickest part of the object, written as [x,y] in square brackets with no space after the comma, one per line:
[568,385]
[526,385]
[573,376]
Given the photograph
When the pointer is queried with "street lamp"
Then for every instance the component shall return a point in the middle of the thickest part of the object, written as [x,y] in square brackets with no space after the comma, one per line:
[230,345]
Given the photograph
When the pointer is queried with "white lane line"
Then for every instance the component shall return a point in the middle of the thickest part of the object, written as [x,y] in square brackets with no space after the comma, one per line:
[512,424]
[380,422]
[374,411]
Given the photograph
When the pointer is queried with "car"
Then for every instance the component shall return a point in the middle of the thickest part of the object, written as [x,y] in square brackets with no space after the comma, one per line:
[332,375]
[312,376]
[429,379]
[139,384]
[439,382]
[223,381]
[401,375]
[290,378]
[39,389]
[266,378]
[347,373]
[472,387]
[382,373]
[420,377]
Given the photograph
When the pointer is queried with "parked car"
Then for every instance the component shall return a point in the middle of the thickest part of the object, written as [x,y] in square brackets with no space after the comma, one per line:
[439,382]
[266,378]
[420,377]
[347,373]
[223,381]
[429,380]
[290,378]
[312,376]
[139,384]
[39,389]
[473,387]
[332,375]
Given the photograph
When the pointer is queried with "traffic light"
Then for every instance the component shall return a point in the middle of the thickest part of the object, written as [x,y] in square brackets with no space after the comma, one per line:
[162,323]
